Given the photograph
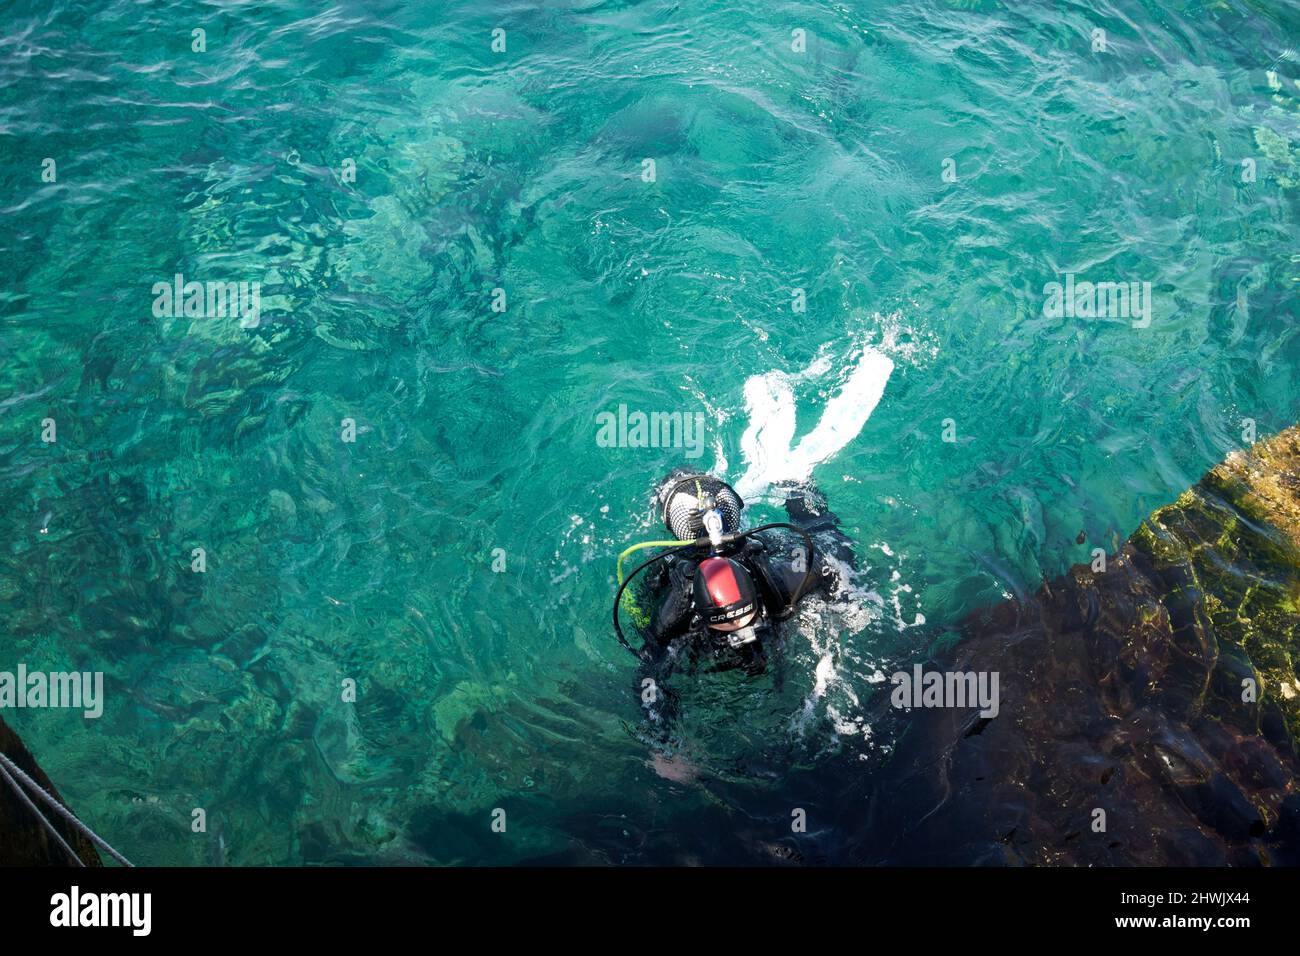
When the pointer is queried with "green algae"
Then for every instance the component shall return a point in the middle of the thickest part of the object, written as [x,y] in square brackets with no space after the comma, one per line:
[1234,539]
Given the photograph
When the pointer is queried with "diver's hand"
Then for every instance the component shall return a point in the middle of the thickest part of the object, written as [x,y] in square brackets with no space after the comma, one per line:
[675,611]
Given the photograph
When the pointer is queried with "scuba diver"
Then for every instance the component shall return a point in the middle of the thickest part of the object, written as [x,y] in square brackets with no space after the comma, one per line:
[718,591]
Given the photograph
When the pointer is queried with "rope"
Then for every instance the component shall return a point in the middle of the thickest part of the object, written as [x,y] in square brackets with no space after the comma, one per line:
[8,765]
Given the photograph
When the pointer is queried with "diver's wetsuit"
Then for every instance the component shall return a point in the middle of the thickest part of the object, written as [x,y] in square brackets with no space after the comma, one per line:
[777,563]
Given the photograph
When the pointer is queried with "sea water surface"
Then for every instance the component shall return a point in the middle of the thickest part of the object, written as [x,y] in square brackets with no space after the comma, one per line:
[832,220]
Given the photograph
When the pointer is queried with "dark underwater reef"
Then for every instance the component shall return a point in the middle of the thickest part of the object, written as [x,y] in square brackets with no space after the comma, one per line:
[1161,692]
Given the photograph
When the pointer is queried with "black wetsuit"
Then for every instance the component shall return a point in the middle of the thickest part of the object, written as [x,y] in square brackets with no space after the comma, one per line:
[777,562]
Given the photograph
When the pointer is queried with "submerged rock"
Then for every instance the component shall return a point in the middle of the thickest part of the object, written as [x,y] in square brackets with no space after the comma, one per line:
[1149,712]
[23,841]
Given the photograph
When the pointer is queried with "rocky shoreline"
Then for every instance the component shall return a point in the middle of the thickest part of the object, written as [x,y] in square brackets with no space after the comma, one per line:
[23,841]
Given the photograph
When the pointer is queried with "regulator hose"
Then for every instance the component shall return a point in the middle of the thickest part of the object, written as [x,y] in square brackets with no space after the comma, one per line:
[675,547]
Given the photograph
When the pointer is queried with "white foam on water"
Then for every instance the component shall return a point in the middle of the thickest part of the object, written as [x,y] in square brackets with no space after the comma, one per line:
[771,457]
[767,445]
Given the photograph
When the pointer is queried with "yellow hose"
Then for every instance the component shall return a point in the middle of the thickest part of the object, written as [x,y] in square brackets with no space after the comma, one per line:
[641,546]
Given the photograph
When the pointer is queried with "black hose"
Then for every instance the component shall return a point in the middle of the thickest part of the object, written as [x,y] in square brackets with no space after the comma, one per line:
[803,588]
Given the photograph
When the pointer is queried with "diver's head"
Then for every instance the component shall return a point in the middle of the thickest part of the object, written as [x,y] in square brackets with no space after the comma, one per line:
[725,597]
[685,497]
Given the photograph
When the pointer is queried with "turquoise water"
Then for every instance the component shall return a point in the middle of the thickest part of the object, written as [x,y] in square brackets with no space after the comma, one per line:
[476,429]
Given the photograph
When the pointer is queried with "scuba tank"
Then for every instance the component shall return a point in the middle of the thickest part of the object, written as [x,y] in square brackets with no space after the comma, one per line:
[697,504]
